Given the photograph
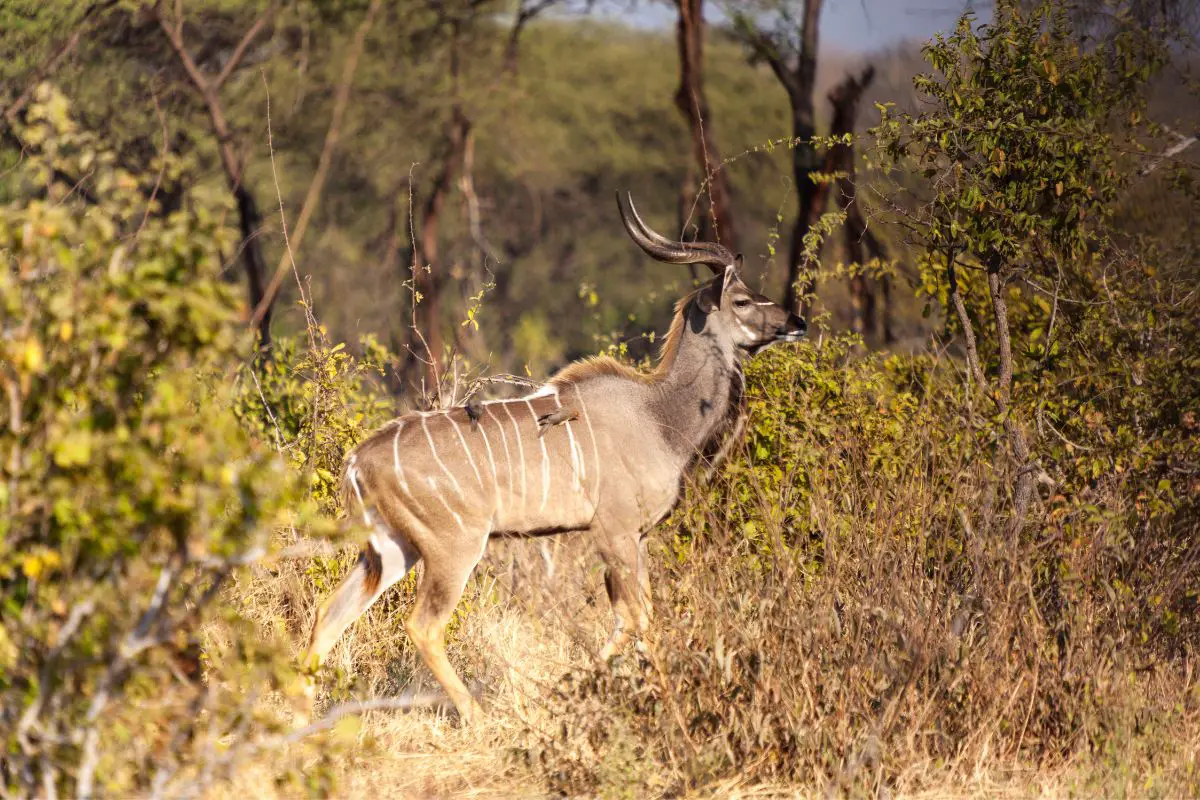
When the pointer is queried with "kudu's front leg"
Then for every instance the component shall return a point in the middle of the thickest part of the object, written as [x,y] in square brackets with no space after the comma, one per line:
[627,580]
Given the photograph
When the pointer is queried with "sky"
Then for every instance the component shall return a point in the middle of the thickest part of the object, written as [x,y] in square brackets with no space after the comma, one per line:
[853,25]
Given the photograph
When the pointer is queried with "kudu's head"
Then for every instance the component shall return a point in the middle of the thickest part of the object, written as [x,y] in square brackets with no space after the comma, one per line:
[750,320]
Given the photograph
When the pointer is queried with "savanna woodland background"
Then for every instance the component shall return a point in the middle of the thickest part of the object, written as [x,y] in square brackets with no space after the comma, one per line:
[955,552]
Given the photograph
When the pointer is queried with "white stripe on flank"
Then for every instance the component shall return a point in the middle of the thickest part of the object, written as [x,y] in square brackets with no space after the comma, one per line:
[576,463]
[396,460]
[507,455]
[521,450]
[492,461]
[470,458]
[352,476]
[545,459]
[436,458]
[438,495]
[591,433]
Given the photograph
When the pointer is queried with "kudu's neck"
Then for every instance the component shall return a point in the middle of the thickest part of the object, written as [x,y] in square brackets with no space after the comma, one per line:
[697,379]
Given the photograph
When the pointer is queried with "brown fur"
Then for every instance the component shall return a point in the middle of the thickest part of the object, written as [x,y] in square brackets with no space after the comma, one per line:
[597,366]
[617,473]
[373,564]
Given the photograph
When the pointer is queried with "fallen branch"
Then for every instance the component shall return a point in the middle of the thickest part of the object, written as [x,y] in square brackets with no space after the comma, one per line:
[406,702]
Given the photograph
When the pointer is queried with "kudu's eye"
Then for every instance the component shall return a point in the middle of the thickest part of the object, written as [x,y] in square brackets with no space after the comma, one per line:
[741,303]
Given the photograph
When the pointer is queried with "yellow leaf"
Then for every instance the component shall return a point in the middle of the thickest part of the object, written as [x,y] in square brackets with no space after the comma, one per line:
[37,564]
[32,357]
[66,330]
[31,565]
[1058,189]
[8,650]
[74,449]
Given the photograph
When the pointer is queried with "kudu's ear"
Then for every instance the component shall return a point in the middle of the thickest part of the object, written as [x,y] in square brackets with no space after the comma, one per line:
[709,298]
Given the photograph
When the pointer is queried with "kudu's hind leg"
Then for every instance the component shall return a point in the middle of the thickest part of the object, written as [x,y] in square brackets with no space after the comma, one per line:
[437,596]
[627,580]
[386,559]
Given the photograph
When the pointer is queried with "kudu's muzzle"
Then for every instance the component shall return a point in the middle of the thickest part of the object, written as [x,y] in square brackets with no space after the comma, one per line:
[793,330]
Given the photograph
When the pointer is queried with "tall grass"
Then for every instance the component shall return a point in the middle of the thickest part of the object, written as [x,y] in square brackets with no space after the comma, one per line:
[838,610]
[883,634]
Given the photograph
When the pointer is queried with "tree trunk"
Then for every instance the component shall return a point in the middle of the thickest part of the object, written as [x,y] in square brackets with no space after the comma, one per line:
[690,101]
[1023,482]
[809,196]
[248,214]
[1001,391]
[862,243]
[250,222]
[859,240]
[429,277]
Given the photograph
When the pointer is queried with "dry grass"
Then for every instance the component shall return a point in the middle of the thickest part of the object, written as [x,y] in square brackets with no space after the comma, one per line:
[518,629]
[521,646]
[852,628]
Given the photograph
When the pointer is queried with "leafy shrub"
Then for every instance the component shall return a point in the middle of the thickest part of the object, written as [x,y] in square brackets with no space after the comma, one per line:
[835,608]
[915,564]
[130,493]
[315,402]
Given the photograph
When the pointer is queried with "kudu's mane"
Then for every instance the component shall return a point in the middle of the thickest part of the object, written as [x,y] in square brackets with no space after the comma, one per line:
[714,449]
[597,366]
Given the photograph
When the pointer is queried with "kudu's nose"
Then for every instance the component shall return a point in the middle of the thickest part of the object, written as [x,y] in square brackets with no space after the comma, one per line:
[795,327]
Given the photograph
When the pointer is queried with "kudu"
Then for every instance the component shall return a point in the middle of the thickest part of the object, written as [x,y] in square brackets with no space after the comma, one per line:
[600,448]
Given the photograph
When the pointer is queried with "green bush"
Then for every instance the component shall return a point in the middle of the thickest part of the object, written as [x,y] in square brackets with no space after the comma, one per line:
[987,553]
[836,607]
[315,401]
[130,492]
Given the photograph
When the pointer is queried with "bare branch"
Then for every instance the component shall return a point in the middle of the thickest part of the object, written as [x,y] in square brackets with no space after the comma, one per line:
[248,213]
[239,52]
[765,47]
[212,101]
[313,196]
[162,168]
[968,328]
[262,310]
[525,14]
[1004,342]
[174,34]
[406,702]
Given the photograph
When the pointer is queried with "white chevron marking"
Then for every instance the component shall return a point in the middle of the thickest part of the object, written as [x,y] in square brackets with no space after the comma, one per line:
[453,513]
[521,450]
[470,458]
[545,459]
[437,458]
